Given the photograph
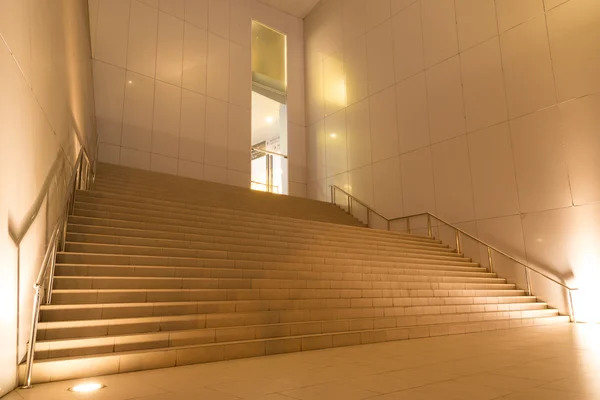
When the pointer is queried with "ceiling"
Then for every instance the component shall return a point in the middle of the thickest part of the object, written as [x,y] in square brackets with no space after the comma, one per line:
[298,8]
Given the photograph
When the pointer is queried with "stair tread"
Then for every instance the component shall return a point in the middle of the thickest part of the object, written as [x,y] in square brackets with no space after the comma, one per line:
[239,342]
[352,250]
[312,230]
[543,310]
[130,304]
[245,248]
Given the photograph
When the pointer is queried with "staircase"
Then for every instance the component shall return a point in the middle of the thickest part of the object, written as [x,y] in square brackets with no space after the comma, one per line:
[161,271]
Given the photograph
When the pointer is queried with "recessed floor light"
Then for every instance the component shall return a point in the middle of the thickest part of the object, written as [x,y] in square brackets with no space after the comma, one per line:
[87,387]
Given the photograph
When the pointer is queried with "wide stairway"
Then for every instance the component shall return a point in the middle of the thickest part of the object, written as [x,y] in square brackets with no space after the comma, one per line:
[161,271]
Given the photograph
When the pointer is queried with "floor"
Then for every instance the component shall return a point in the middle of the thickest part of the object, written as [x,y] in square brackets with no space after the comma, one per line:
[560,362]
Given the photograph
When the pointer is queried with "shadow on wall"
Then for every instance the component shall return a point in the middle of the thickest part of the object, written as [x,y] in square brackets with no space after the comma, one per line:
[30,237]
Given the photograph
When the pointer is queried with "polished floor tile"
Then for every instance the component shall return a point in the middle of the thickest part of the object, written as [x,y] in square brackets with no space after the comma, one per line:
[560,362]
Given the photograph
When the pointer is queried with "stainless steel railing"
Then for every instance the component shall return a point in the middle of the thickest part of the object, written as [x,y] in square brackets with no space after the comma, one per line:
[268,152]
[269,169]
[459,234]
[82,176]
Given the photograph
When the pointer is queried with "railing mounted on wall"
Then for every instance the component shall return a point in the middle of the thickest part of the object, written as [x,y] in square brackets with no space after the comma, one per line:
[427,223]
[82,177]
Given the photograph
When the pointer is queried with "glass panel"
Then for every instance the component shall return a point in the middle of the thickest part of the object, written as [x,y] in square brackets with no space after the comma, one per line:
[269,172]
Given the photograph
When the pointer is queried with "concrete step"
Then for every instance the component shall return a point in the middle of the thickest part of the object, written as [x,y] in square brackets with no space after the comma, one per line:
[234,218]
[212,214]
[432,254]
[159,182]
[121,362]
[274,241]
[96,296]
[166,339]
[328,267]
[137,282]
[205,190]
[279,310]
[302,235]
[252,202]
[141,215]
[317,278]
[336,268]
[115,199]
[130,250]
[133,177]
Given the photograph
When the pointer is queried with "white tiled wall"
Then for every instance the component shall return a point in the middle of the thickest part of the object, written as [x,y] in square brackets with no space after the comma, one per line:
[486,112]
[173,86]
[46,112]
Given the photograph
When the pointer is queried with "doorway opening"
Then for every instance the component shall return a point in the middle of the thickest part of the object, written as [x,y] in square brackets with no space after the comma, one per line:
[269,111]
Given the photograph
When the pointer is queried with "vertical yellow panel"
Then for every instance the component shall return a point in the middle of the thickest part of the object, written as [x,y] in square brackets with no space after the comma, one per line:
[268,57]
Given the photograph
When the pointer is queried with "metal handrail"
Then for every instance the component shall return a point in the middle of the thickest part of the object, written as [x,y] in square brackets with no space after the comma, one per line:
[82,176]
[266,185]
[352,199]
[269,152]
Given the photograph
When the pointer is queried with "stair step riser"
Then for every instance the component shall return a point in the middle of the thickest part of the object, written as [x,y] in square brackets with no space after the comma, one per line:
[193,208]
[324,213]
[108,344]
[221,314]
[143,239]
[256,227]
[55,370]
[123,250]
[141,296]
[192,245]
[245,232]
[79,282]
[380,280]
[209,216]
[204,193]
[193,211]
[347,267]
[233,220]
[238,238]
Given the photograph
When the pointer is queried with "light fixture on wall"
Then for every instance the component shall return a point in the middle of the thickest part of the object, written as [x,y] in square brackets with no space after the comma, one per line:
[87,387]
[129,81]
[269,120]
[333,135]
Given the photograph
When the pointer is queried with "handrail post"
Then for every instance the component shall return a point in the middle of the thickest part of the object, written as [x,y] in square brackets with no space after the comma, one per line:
[87,175]
[408,224]
[332,194]
[528,281]
[429,231]
[51,277]
[368,219]
[71,205]
[458,246]
[32,337]
[571,306]
[490,260]
[350,205]
[79,173]
[388,225]
[63,234]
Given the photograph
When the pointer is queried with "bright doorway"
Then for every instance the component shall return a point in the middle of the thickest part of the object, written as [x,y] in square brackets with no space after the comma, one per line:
[269,111]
